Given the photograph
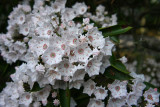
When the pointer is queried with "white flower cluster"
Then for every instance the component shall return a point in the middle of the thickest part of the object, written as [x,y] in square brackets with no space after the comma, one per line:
[120,96]
[55,49]
[102,17]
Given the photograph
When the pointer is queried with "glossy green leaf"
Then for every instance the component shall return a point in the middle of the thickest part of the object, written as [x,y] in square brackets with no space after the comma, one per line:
[118,64]
[115,74]
[64,97]
[114,30]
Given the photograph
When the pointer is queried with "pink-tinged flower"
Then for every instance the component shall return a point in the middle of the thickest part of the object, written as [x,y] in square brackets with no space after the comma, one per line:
[151,96]
[100,93]
[95,103]
[56,102]
[118,89]
[54,94]
[89,87]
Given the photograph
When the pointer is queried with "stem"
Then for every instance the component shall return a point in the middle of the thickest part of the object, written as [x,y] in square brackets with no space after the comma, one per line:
[65,97]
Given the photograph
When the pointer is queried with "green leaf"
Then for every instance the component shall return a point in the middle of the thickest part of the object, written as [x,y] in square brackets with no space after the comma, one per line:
[64,97]
[118,64]
[114,39]
[115,74]
[114,30]
[149,85]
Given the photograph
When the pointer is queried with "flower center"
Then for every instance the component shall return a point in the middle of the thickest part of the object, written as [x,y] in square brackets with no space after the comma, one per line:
[63,46]
[101,91]
[55,6]
[90,38]
[117,88]
[150,97]
[98,102]
[92,87]
[74,41]
[52,55]
[49,32]
[26,29]
[82,9]
[45,46]
[66,65]
[89,64]
[21,18]
[72,53]
[52,72]
[81,51]
[27,96]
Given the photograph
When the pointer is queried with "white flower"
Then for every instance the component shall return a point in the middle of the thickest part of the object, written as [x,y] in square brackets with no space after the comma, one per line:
[26,99]
[132,98]
[52,56]
[86,21]
[11,103]
[12,56]
[26,8]
[46,30]
[2,99]
[96,38]
[95,103]
[56,102]
[76,84]
[108,46]
[67,14]
[37,104]
[44,102]
[54,94]
[39,45]
[105,64]
[40,68]
[100,9]
[93,66]
[123,59]
[42,81]
[116,102]
[89,87]
[52,75]
[114,20]
[81,53]
[20,47]
[138,87]
[137,76]
[100,93]
[80,8]
[149,105]
[21,19]
[151,96]
[24,29]
[118,89]
[58,5]
[66,68]
[43,94]
[79,75]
